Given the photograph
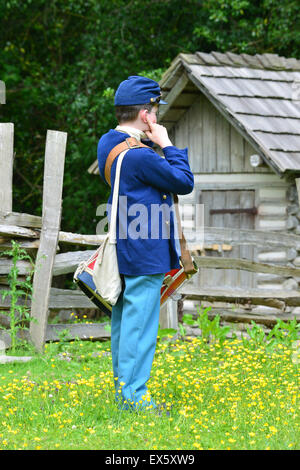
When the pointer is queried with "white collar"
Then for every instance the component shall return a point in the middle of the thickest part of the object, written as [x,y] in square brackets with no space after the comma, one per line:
[132,131]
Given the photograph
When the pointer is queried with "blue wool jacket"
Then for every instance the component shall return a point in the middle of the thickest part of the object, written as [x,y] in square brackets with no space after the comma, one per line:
[145,224]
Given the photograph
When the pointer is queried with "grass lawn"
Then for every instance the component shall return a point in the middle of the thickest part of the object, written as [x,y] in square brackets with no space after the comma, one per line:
[224,396]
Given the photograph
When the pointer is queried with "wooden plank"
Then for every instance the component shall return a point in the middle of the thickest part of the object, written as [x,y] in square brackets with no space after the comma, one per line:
[290,160]
[251,60]
[79,239]
[284,141]
[67,262]
[200,157]
[6,303]
[270,124]
[242,317]
[184,125]
[247,221]
[206,199]
[207,58]
[15,231]
[292,63]
[172,95]
[2,92]
[227,199]
[52,201]
[169,79]
[6,264]
[274,195]
[251,87]
[94,168]
[30,247]
[186,99]
[230,236]
[272,298]
[58,299]
[6,165]
[297,180]
[18,232]
[276,206]
[262,107]
[232,277]
[19,219]
[179,133]
[273,256]
[63,263]
[168,317]
[174,114]
[4,279]
[4,319]
[209,137]
[195,136]
[222,144]
[69,298]
[217,201]
[237,263]
[91,331]
[242,180]
[236,151]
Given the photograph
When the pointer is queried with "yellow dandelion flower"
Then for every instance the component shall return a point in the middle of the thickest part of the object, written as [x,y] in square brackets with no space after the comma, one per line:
[273,429]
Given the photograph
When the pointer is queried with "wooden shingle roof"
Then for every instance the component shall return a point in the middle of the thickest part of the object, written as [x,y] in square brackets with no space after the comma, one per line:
[259,95]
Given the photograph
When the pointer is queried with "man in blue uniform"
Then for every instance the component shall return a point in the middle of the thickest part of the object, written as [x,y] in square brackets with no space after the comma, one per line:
[148,249]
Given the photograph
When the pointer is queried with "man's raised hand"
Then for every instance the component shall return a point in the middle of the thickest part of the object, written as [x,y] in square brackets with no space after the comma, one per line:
[158,134]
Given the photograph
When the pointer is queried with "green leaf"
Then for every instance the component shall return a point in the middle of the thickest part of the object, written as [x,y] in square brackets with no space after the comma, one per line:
[188,319]
[166,332]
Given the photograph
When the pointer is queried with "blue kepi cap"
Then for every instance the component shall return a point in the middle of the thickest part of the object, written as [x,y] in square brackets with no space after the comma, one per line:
[138,90]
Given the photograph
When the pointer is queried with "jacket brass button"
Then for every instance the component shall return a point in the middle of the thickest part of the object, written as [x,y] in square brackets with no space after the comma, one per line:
[164,196]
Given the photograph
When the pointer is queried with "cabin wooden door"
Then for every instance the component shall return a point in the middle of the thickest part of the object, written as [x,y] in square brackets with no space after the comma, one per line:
[226,208]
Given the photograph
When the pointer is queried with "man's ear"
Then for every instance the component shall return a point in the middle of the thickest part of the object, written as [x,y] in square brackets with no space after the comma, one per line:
[143,115]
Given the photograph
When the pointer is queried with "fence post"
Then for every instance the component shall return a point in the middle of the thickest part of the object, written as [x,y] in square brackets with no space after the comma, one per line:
[51,217]
[6,165]
[297,180]
[6,158]
[168,316]
[2,92]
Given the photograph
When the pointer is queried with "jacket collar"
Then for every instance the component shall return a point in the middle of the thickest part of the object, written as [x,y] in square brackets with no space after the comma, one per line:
[132,131]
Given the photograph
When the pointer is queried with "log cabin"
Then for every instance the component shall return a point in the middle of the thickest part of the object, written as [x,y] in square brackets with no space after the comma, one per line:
[239,116]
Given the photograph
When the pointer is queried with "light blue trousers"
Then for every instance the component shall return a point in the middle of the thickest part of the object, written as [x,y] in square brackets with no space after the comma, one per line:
[134,326]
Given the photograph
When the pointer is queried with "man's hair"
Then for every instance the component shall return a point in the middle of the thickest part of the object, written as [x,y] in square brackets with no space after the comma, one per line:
[129,113]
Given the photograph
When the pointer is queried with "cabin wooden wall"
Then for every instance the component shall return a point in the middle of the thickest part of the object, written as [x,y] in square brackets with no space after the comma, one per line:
[220,160]
[215,146]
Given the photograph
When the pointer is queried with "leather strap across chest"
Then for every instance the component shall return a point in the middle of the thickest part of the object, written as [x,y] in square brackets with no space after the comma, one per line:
[129,143]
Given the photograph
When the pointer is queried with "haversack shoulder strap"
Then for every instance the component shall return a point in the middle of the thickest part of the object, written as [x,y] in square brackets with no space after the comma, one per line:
[131,143]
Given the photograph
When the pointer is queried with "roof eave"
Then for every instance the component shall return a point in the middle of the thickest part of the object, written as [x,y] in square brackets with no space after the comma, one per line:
[178,70]
[231,117]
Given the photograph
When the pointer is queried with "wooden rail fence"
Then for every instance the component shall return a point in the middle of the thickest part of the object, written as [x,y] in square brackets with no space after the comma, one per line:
[41,237]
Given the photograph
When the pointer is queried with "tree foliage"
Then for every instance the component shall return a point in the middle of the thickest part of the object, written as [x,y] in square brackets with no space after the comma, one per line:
[63,59]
